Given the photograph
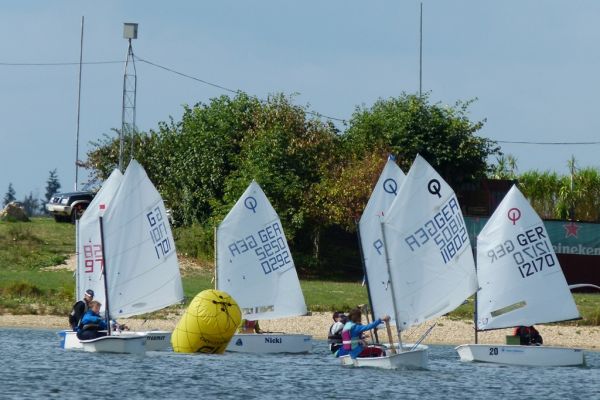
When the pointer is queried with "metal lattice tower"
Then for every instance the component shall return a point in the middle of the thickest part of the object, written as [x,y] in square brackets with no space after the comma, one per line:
[129,95]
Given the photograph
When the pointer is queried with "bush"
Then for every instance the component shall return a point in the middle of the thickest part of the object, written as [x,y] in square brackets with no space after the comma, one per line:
[195,241]
[21,289]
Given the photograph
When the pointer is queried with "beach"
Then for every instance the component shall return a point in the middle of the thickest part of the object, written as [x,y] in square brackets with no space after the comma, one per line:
[447,331]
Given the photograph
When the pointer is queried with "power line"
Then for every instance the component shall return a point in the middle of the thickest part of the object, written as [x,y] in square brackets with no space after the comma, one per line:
[546,143]
[316,114]
[8,64]
[58,64]
[186,75]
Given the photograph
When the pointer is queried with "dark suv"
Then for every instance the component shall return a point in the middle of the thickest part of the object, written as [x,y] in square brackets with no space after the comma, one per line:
[68,207]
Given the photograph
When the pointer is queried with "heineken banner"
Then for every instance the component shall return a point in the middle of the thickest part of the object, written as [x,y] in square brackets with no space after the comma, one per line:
[567,237]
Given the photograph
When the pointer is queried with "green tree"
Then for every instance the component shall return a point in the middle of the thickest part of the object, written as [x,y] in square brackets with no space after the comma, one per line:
[52,185]
[10,195]
[344,192]
[408,125]
[202,164]
[505,168]
[31,204]
[288,154]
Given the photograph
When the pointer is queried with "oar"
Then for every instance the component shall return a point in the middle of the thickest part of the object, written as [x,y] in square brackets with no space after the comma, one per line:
[390,338]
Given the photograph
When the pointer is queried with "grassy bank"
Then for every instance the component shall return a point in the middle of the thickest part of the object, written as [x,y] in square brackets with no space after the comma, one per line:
[26,287]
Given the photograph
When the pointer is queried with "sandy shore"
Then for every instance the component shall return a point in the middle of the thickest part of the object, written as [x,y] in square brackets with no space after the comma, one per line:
[446,332]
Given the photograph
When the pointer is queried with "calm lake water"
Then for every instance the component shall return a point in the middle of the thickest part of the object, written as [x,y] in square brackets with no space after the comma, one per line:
[33,366]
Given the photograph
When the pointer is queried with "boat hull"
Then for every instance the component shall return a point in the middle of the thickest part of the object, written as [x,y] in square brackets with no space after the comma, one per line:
[539,356]
[270,343]
[124,344]
[155,340]
[417,358]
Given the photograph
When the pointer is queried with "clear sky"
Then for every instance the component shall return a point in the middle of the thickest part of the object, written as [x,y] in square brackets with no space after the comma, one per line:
[532,65]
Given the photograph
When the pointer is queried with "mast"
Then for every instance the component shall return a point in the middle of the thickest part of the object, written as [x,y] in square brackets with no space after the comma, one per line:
[474,247]
[362,259]
[421,52]
[475,303]
[78,107]
[387,262]
[106,308]
[77,287]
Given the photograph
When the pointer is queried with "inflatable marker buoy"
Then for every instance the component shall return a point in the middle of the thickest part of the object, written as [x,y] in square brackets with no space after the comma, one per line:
[208,324]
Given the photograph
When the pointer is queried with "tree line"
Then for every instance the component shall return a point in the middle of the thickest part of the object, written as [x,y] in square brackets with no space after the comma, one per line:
[317,177]
[31,204]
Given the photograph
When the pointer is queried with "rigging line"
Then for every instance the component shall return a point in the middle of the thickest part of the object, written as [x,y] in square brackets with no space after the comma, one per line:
[546,143]
[8,64]
[314,113]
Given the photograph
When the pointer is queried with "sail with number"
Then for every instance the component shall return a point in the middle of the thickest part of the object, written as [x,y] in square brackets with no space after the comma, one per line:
[142,271]
[371,238]
[521,281]
[89,244]
[430,258]
[254,262]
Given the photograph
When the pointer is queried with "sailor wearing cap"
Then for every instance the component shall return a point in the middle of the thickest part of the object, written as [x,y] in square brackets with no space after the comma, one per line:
[80,308]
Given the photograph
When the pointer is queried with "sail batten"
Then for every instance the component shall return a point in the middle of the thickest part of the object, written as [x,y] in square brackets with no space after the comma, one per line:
[521,280]
[254,262]
[431,261]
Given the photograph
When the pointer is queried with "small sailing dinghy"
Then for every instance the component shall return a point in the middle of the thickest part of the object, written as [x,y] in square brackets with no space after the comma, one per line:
[430,267]
[521,284]
[141,272]
[88,271]
[255,266]
[376,272]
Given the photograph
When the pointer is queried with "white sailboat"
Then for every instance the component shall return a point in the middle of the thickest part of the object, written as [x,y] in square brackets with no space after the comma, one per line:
[88,273]
[429,259]
[376,270]
[141,271]
[521,283]
[255,266]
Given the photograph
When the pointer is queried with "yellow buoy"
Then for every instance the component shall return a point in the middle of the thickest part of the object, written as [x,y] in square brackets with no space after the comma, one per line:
[208,324]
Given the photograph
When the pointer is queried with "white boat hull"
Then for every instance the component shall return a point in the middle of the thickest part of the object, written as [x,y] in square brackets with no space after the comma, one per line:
[127,344]
[270,343]
[417,358]
[155,340]
[69,340]
[539,356]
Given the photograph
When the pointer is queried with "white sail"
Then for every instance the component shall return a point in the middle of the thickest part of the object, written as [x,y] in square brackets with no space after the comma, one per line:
[89,244]
[430,257]
[254,262]
[521,282]
[371,239]
[140,260]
